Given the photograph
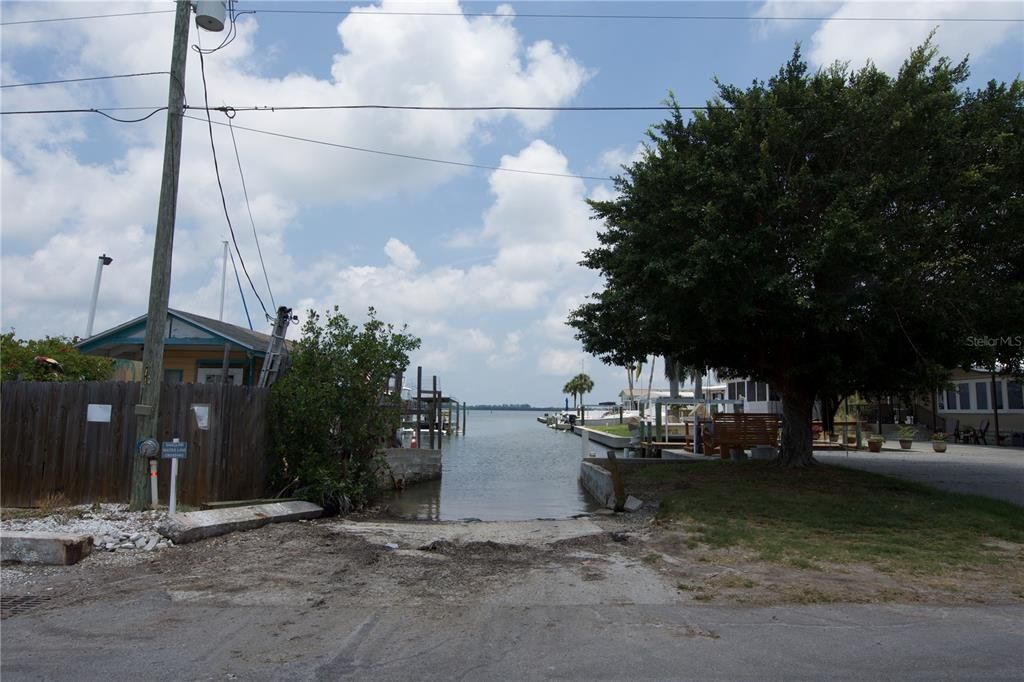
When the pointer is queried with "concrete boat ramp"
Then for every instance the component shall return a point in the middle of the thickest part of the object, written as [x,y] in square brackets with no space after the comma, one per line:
[415,535]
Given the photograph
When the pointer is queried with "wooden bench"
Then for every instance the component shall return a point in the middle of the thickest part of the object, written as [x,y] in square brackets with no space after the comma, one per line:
[741,431]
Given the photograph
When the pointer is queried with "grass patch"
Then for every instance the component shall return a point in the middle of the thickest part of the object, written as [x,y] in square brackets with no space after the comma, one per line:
[828,514]
[612,429]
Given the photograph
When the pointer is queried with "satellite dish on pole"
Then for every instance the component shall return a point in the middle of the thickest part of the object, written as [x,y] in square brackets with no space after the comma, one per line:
[210,15]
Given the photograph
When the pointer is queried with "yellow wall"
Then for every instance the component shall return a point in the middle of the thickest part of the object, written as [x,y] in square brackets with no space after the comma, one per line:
[1009,420]
[187,360]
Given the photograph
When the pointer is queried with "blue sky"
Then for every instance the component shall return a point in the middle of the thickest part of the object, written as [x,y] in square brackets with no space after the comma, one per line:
[481,264]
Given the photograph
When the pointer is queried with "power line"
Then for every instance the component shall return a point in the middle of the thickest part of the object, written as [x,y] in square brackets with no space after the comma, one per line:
[90,16]
[631,17]
[241,292]
[411,157]
[91,78]
[101,112]
[220,186]
[409,107]
[252,222]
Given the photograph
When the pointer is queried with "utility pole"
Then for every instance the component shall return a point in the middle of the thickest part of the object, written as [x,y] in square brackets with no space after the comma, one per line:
[148,411]
[227,344]
[277,349]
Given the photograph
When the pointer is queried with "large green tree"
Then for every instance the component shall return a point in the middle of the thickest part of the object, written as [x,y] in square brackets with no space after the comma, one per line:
[18,360]
[331,412]
[827,232]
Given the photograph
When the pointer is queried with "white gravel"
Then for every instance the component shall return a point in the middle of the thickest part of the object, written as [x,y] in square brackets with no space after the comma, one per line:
[113,528]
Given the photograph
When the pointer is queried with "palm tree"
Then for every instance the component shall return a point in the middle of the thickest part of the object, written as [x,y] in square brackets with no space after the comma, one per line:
[579,385]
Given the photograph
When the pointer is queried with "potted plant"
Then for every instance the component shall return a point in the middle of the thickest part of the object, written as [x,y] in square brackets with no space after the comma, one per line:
[906,437]
[875,443]
[939,441]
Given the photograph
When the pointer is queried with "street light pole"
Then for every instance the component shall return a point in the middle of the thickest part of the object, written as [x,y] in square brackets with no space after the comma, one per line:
[103,260]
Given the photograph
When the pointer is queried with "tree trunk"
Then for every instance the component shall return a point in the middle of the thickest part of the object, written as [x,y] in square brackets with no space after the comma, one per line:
[672,370]
[797,410]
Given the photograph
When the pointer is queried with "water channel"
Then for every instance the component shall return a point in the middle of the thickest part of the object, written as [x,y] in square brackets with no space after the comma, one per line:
[507,467]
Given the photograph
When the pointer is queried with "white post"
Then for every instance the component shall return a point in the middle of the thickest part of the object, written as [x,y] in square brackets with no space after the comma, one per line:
[585,439]
[103,260]
[174,486]
[223,280]
[152,482]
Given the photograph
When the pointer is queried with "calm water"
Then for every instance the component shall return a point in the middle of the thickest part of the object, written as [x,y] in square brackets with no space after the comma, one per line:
[507,467]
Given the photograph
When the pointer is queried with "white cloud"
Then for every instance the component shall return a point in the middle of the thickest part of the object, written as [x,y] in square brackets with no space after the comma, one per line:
[887,43]
[612,160]
[59,201]
[403,257]
[559,362]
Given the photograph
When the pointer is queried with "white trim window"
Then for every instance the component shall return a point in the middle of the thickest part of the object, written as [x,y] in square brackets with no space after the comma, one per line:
[211,375]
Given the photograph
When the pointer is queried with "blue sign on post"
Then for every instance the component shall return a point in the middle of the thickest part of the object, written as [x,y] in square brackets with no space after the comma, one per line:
[173,450]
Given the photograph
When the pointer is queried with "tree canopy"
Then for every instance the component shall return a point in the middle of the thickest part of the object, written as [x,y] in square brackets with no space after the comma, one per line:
[18,360]
[331,410]
[579,385]
[827,232]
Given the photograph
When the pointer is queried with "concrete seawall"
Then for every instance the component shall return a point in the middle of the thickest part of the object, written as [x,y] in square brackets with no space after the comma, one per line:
[411,465]
[605,439]
[596,479]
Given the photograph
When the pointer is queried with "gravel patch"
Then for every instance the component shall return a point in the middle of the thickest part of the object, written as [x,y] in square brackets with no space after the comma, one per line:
[112,526]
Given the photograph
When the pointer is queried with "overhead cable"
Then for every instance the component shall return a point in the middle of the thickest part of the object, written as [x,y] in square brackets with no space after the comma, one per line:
[245,193]
[411,107]
[631,17]
[411,157]
[220,186]
[101,112]
[90,16]
[241,291]
[90,78]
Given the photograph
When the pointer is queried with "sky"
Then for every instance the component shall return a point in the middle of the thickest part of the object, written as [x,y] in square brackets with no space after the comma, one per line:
[480,263]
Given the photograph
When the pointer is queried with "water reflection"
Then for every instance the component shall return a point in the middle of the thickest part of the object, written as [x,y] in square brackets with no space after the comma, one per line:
[507,468]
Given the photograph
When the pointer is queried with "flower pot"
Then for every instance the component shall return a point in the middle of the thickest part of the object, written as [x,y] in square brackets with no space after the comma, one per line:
[875,445]
[939,445]
[905,443]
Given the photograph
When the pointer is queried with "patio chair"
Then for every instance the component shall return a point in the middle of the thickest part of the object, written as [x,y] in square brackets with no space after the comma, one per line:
[980,432]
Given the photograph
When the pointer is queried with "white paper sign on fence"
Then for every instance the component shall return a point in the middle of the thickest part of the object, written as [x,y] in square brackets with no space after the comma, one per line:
[97,413]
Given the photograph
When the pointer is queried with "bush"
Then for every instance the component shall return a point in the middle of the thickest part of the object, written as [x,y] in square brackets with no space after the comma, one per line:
[331,411]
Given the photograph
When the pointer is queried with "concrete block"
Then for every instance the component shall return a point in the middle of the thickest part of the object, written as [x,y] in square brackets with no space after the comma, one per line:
[632,504]
[197,525]
[29,547]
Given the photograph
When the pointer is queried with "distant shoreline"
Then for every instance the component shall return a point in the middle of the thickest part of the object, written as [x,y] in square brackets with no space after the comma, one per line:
[512,408]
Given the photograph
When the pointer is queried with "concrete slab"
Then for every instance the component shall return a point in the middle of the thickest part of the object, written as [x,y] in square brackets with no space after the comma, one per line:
[969,469]
[415,535]
[31,547]
[197,525]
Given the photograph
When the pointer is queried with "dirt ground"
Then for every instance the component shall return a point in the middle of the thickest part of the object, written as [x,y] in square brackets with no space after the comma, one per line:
[629,557]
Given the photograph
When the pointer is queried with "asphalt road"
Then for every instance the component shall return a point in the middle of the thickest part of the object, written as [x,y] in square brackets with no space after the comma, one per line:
[969,469]
[321,602]
[158,639]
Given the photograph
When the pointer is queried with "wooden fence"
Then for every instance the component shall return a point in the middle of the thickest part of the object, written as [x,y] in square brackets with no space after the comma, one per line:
[79,439]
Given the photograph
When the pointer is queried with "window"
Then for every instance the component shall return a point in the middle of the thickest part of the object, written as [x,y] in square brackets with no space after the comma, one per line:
[964,389]
[751,391]
[772,395]
[211,375]
[999,395]
[174,376]
[951,400]
[732,391]
[740,390]
[1015,395]
[981,395]
[762,391]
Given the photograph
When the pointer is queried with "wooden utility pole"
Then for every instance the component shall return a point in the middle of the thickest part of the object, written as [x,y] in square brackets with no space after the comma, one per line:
[148,410]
